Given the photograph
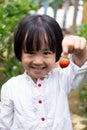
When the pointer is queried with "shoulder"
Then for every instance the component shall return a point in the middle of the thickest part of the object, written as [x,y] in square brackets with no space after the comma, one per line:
[13,82]
[15,79]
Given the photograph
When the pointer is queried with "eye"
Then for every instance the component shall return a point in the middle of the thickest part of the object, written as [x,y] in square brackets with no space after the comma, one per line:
[47,52]
[31,52]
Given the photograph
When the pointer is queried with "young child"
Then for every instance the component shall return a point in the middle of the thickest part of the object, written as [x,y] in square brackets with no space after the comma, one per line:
[37,99]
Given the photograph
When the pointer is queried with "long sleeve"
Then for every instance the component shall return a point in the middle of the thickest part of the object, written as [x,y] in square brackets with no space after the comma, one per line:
[6,115]
[73,76]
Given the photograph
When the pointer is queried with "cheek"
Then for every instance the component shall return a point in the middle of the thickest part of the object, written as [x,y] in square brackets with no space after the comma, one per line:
[52,61]
[25,63]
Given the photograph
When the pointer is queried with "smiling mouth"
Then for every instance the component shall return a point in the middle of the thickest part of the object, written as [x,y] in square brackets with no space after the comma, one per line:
[38,68]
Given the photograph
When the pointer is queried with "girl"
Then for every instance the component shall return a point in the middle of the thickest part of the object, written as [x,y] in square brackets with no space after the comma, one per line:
[37,99]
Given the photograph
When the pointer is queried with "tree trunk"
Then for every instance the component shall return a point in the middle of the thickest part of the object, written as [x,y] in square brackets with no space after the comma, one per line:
[75,15]
[66,7]
[84,19]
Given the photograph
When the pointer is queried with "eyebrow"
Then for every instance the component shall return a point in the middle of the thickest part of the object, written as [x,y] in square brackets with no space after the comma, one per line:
[38,50]
[45,50]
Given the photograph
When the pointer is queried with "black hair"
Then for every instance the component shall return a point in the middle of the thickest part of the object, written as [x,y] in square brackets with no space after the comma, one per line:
[35,30]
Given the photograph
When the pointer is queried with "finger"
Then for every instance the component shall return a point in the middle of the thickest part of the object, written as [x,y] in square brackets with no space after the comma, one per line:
[65,51]
[79,45]
[83,43]
[64,46]
[67,45]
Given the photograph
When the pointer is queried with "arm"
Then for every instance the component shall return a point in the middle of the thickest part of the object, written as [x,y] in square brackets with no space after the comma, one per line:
[77,47]
[6,112]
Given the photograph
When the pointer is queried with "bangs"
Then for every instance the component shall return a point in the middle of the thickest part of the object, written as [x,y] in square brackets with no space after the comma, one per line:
[37,38]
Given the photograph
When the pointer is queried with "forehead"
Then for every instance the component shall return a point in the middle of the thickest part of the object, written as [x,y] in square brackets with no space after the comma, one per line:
[37,41]
[44,46]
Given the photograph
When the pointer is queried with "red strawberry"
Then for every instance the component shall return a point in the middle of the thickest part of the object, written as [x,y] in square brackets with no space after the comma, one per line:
[64,62]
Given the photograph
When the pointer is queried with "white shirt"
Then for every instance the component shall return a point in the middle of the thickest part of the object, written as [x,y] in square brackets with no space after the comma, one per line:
[40,106]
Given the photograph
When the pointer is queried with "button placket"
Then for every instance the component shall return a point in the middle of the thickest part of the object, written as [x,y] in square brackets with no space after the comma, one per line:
[39,85]
[40,103]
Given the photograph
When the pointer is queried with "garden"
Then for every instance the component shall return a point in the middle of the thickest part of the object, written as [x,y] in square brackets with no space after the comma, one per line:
[11,12]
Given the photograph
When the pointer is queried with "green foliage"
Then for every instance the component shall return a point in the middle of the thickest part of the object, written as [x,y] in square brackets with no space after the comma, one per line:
[85,112]
[84,93]
[83,98]
[10,15]
[82,31]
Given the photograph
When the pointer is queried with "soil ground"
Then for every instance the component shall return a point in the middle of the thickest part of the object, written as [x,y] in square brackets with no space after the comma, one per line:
[77,111]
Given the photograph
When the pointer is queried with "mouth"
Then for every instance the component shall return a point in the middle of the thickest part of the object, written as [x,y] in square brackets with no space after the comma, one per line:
[38,67]
[37,70]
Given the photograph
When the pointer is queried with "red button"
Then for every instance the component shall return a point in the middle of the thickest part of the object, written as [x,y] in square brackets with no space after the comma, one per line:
[40,101]
[39,85]
[43,119]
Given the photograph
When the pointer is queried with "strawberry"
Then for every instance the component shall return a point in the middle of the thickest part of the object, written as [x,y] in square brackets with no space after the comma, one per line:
[64,62]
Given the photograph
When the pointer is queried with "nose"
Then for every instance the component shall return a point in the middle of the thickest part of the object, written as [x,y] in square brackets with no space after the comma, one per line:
[38,60]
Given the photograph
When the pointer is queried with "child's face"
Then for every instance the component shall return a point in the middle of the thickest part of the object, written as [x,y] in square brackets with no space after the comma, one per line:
[38,63]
